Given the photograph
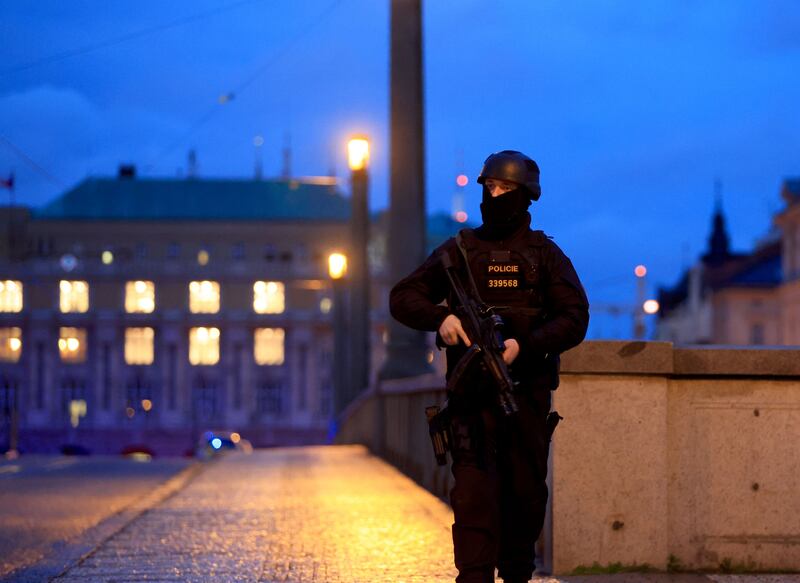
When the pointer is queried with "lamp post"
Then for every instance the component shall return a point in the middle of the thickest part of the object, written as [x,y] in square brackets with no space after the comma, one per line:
[406,348]
[638,310]
[358,160]
[337,268]
[641,291]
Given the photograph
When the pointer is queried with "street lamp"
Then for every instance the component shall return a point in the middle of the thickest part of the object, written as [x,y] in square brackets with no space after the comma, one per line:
[358,153]
[337,266]
[638,309]
[337,269]
[651,307]
[358,160]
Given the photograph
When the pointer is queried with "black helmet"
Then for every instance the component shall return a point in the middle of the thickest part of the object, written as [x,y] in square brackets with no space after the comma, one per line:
[515,167]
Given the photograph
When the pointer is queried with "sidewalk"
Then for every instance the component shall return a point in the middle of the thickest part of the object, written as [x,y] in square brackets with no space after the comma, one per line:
[300,514]
[318,514]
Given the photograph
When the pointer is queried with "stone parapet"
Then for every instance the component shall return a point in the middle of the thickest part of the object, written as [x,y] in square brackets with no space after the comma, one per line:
[682,456]
[662,358]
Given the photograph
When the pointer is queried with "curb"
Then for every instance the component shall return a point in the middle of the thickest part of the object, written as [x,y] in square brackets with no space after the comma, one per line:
[64,555]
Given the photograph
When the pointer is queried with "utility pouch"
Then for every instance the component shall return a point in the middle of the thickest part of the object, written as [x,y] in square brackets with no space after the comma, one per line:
[439,429]
[552,421]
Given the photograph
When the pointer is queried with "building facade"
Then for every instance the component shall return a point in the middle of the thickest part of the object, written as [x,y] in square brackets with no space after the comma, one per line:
[740,298]
[140,312]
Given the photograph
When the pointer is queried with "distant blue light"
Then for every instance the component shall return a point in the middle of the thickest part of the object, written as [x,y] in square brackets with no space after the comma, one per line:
[216,443]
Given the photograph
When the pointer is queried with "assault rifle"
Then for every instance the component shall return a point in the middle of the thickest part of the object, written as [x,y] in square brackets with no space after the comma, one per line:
[482,327]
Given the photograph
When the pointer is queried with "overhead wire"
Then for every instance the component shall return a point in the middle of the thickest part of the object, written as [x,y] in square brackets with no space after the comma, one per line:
[238,89]
[125,37]
[30,162]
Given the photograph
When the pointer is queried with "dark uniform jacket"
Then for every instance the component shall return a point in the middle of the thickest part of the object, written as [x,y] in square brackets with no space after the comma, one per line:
[525,270]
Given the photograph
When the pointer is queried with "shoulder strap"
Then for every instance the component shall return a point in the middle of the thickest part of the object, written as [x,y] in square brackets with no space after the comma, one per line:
[538,238]
[462,247]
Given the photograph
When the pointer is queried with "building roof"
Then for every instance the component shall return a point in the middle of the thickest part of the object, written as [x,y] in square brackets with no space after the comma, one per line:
[760,269]
[145,199]
[724,269]
[791,190]
[669,298]
[766,272]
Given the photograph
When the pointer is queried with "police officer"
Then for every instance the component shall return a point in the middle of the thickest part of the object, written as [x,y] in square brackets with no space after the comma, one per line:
[500,463]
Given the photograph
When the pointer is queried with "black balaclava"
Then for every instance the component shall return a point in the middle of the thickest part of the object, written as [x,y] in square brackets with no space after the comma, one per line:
[503,215]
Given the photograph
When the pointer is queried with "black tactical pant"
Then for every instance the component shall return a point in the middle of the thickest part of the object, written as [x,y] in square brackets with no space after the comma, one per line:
[500,495]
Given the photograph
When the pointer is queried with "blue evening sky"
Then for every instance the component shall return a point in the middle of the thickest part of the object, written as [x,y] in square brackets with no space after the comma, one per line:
[632,109]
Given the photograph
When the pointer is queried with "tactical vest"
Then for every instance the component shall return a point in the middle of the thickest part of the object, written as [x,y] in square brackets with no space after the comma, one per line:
[509,276]
[506,274]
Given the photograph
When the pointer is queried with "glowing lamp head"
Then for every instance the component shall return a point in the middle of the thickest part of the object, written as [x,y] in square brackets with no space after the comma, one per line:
[337,265]
[651,307]
[325,305]
[216,443]
[462,180]
[358,153]
[640,271]
[461,217]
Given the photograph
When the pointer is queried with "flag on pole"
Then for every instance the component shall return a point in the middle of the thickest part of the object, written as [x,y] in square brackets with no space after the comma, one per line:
[8,183]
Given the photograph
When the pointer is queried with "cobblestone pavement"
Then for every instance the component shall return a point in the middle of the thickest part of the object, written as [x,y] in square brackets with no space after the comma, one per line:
[296,514]
[317,514]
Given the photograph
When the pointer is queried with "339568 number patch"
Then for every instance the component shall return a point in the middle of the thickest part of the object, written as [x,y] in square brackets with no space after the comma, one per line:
[503,283]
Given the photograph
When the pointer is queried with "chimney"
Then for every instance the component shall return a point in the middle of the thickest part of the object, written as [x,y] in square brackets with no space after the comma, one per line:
[126,172]
[258,143]
[191,167]
[286,173]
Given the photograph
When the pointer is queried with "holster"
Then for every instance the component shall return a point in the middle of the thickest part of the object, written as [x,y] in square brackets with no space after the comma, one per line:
[551,422]
[439,429]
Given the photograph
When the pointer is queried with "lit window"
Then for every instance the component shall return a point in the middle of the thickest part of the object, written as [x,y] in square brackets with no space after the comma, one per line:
[139,345]
[10,296]
[107,257]
[202,257]
[204,345]
[72,344]
[325,305]
[140,297]
[10,344]
[268,297]
[74,296]
[204,297]
[77,409]
[268,346]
